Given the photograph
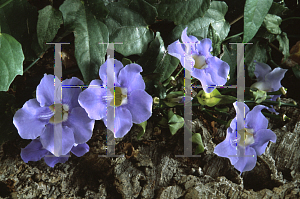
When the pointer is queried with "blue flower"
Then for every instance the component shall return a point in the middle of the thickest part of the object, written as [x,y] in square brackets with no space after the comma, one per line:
[267,79]
[34,151]
[243,145]
[36,117]
[129,100]
[210,70]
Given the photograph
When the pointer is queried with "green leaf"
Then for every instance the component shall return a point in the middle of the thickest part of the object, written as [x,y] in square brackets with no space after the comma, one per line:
[226,99]
[11,60]
[88,32]
[283,44]
[254,52]
[97,8]
[126,61]
[143,125]
[229,56]
[175,122]
[160,62]
[199,149]
[199,26]
[196,138]
[8,130]
[19,20]
[48,23]
[216,40]
[182,11]
[128,23]
[254,14]
[277,9]
[272,22]
[296,70]
[173,95]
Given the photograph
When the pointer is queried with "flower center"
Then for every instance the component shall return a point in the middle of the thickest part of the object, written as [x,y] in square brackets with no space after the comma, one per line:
[117,95]
[64,116]
[263,86]
[246,137]
[200,62]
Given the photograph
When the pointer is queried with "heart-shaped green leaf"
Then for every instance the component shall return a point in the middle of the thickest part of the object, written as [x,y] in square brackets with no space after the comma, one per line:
[181,11]
[19,19]
[11,60]
[175,122]
[199,26]
[88,32]
[48,23]
[254,14]
[128,24]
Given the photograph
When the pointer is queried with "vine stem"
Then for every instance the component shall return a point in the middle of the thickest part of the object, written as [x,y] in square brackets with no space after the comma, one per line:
[233,36]
[237,19]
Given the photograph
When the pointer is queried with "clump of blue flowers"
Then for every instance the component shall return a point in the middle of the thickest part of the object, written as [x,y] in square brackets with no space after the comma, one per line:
[209,70]
[242,146]
[36,117]
[128,98]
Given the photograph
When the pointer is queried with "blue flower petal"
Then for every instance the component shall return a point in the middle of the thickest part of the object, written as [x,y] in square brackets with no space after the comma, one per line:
[218,70]
[27,119]
[80,149]
[204,78]
[177,49]
[67,139]
[52,161]
[103,73]
[248,162]
[70,95]
[262,138]
[190,40]
[205,47]
[122,121]
[45,91]
[129,77]
[225,149]
[261,70]
[140,106]
[92,100]
[81,125]
[274,77]
[255,119]
[33,151]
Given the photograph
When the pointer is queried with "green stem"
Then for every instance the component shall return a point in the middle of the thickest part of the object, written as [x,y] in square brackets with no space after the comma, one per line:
[4,4]
[236,20]
[233,36]
[290,18]
[31,64]
[269,102]
[178,72]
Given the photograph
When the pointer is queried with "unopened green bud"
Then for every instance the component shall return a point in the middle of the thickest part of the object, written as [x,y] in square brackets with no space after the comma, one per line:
[209,99]
[283,90]
[155,100]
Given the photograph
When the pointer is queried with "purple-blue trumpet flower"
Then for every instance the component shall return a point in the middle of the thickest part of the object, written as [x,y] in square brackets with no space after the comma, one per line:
[210,70]
[128,98]
[267,79]
[36,117]
[243,145]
